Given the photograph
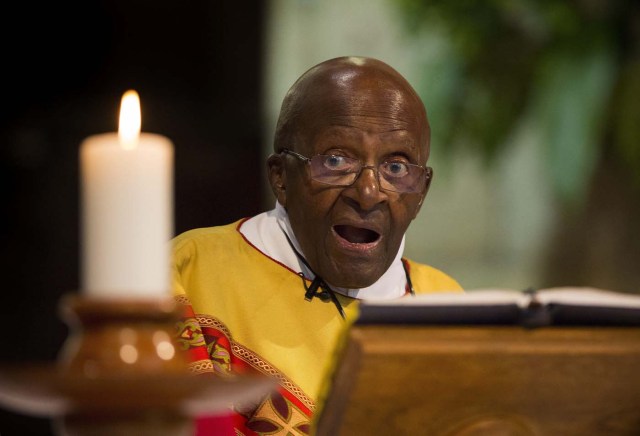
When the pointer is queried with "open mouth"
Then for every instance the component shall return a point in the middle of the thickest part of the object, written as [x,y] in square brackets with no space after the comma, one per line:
[357,235]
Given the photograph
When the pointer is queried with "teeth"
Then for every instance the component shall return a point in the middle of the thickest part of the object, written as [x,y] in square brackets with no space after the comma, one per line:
[357,235]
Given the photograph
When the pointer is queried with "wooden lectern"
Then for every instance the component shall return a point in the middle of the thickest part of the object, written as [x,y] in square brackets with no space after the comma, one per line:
[446,380]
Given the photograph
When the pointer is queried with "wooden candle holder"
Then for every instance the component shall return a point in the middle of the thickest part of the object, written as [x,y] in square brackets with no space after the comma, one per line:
[120,337]
[121,372]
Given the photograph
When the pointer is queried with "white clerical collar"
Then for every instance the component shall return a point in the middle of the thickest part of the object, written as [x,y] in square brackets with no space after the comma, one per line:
[265,232]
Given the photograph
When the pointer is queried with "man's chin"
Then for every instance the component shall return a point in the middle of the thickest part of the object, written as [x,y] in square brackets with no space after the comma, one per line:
[356,279]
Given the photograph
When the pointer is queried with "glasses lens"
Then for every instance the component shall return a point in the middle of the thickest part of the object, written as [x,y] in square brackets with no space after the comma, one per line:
[334,170]
[401,177]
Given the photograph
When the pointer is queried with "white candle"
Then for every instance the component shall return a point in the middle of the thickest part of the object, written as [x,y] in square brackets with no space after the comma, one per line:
[127,209]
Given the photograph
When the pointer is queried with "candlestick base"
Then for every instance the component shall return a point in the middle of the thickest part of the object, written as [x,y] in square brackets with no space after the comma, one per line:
[120,336]
[121,372]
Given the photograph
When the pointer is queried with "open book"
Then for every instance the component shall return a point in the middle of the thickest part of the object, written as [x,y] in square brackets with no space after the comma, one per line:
[553,306]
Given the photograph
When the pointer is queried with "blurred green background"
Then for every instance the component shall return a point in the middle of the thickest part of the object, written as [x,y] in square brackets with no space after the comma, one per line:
[535,115]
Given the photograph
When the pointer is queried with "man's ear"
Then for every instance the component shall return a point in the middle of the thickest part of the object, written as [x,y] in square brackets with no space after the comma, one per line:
[423,195]
[277,177]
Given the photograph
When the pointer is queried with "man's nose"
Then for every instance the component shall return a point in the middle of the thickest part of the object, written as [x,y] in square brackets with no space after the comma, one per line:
[366,189]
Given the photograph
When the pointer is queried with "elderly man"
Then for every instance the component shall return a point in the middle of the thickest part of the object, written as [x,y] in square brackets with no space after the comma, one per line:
[272,294]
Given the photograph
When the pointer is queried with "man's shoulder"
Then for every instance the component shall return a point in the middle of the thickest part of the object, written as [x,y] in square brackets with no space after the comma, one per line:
[426,278]
[205,236]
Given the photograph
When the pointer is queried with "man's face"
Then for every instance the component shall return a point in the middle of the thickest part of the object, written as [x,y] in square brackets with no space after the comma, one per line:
[351,235]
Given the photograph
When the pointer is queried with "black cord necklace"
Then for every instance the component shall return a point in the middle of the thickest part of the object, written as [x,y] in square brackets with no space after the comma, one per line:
[325,293]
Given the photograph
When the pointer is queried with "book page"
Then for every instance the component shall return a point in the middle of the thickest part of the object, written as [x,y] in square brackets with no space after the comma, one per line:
[576,296]
[477,297]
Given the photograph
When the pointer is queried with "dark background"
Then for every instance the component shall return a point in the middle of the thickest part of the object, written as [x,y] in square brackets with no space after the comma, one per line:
[197,68]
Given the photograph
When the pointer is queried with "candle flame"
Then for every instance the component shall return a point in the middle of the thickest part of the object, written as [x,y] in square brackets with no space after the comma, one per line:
[130,120]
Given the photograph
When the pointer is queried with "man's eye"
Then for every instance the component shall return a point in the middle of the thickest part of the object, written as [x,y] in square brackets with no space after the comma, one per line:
[336,163]
[396,169]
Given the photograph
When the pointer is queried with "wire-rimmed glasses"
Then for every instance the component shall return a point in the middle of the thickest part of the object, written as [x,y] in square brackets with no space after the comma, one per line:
[337,170]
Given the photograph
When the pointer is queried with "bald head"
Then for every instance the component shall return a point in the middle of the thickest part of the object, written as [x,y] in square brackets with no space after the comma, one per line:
[350,89]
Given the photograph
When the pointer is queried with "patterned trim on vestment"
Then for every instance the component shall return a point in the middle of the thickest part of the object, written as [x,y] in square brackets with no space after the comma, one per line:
[211,348]
[209,321]
[266,368]
[255,361]
[201,367]
[182,299]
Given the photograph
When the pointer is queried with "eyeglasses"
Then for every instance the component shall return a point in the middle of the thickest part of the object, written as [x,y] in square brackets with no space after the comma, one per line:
[339,170]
